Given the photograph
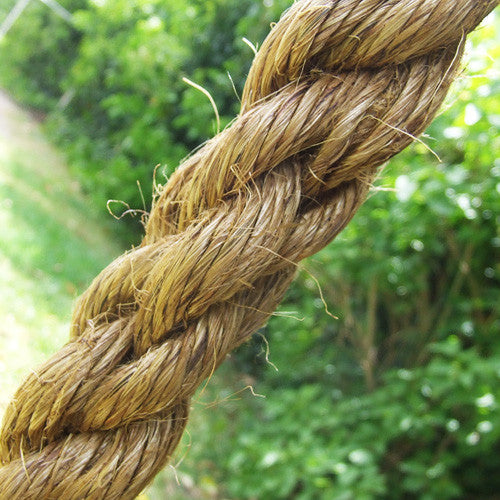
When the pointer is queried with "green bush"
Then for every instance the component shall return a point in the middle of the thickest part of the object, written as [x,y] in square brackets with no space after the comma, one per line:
[112,83]
[427,433]
[399,397]
[37,53]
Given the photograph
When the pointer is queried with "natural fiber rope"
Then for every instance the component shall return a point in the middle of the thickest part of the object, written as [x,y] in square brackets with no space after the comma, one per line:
[338,87]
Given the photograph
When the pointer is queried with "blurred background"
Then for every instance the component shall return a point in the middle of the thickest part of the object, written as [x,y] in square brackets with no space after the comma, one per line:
[399,396]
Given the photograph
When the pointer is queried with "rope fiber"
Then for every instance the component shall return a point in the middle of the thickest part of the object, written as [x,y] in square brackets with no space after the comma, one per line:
[338,88]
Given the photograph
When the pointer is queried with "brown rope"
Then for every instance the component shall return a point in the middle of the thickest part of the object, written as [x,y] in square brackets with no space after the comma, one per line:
[338,88]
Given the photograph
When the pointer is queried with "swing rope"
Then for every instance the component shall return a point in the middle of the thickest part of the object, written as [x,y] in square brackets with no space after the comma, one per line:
[338,88]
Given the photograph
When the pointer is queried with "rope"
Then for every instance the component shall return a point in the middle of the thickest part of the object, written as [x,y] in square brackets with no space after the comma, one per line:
[338,88]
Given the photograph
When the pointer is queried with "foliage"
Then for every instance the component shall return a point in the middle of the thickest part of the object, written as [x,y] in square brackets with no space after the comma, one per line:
[122,106]
[399,397]
[37,53]
[427,433]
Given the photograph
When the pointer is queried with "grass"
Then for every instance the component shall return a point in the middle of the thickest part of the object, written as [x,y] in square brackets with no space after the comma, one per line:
[52,244]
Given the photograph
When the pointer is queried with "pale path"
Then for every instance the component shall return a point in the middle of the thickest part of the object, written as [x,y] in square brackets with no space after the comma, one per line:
[50,246]
[13,122]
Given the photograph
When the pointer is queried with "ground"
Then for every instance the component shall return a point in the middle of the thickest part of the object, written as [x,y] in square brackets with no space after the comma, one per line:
[52,243]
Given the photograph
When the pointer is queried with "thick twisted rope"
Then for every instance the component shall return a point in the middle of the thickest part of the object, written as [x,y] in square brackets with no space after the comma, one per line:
[338,88]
